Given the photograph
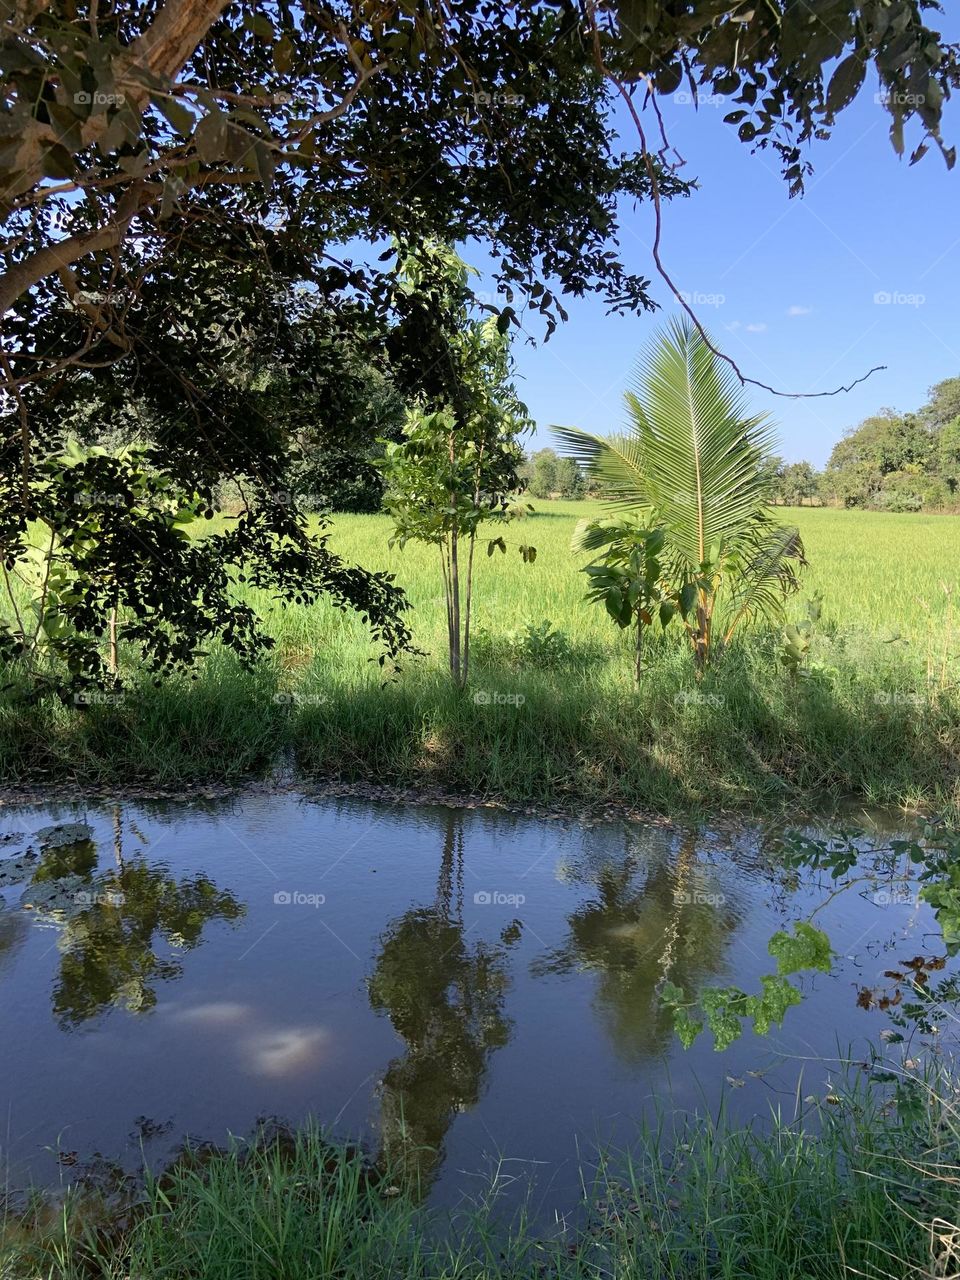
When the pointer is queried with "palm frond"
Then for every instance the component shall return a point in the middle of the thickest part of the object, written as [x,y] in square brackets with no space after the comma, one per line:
[702,455]
[615,461]
[771,556]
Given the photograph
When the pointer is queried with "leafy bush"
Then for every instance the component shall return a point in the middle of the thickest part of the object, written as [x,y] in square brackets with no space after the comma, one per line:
[530,645]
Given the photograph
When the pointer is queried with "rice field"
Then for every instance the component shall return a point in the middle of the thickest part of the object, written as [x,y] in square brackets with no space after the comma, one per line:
[558,720]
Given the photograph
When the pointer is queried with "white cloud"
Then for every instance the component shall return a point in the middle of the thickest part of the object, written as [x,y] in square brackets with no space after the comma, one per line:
[756,328]
[799,311]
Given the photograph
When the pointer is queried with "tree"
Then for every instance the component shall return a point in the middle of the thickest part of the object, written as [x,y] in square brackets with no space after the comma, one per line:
[123,928]
[542,482]
[798,482]
[444,996]
[569,479]
[143,140]
[889,462]
[948,445]
[458,466]
[943,404]
[549,476]
[209,384]
[693,469]
[651,917]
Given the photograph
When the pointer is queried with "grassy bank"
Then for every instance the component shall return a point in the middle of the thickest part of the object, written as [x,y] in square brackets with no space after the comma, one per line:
[552,715]
[856,1200]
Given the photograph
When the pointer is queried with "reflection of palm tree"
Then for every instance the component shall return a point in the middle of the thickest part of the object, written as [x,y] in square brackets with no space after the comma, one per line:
[445,1001]
[648,921]
[111,924]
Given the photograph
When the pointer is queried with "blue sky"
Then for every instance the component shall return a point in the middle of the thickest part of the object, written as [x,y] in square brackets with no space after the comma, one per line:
[790,285]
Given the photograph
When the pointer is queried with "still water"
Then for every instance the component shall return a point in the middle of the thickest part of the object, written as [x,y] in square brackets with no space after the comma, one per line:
[475,986]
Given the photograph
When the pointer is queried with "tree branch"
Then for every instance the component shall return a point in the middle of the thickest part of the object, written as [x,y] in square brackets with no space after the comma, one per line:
[621,88]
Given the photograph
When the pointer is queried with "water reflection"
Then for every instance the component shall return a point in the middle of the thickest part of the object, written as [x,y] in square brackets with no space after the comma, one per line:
[651,917]
[381,1013]
[114,923]
[445,1000]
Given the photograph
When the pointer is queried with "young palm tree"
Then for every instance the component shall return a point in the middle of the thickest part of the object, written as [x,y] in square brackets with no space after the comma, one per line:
[692,466]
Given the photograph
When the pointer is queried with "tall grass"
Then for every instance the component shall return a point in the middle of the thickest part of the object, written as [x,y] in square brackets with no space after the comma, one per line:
[877,716]
[862,1192]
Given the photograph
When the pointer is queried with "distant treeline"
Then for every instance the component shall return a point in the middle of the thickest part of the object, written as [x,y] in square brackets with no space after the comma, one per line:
[890,462]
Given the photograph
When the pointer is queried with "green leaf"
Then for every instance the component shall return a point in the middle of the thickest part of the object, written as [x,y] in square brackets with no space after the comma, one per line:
[809,948]
[778,996]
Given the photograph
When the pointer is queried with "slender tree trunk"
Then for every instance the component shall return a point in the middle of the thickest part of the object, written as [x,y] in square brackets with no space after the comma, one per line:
[113,640]
[456,664]
[467,606]
[638,650]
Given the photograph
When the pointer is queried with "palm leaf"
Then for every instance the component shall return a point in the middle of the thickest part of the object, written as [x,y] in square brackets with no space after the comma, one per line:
[615,461]
[771,555]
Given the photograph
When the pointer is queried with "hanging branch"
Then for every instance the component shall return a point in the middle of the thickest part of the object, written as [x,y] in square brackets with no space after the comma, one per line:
[624,93]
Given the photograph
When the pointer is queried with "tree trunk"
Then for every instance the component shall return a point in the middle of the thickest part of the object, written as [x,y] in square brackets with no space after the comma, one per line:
[456,663]
[113,640]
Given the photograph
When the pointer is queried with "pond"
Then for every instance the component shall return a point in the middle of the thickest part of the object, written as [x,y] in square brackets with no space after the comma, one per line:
[459,987]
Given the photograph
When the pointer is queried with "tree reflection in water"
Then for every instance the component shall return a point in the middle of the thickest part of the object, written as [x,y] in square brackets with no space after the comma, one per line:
[445,1000]
[114,923]
[651,918]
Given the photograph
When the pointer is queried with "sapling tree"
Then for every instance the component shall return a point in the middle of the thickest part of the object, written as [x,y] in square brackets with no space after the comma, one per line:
[627,577]
[693,467]
[458,465]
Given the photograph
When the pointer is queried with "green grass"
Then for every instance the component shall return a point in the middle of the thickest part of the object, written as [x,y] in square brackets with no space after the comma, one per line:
[855,1191]
[878,720]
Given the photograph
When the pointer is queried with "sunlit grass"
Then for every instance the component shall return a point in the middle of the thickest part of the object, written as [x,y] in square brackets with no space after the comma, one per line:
[878,718]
